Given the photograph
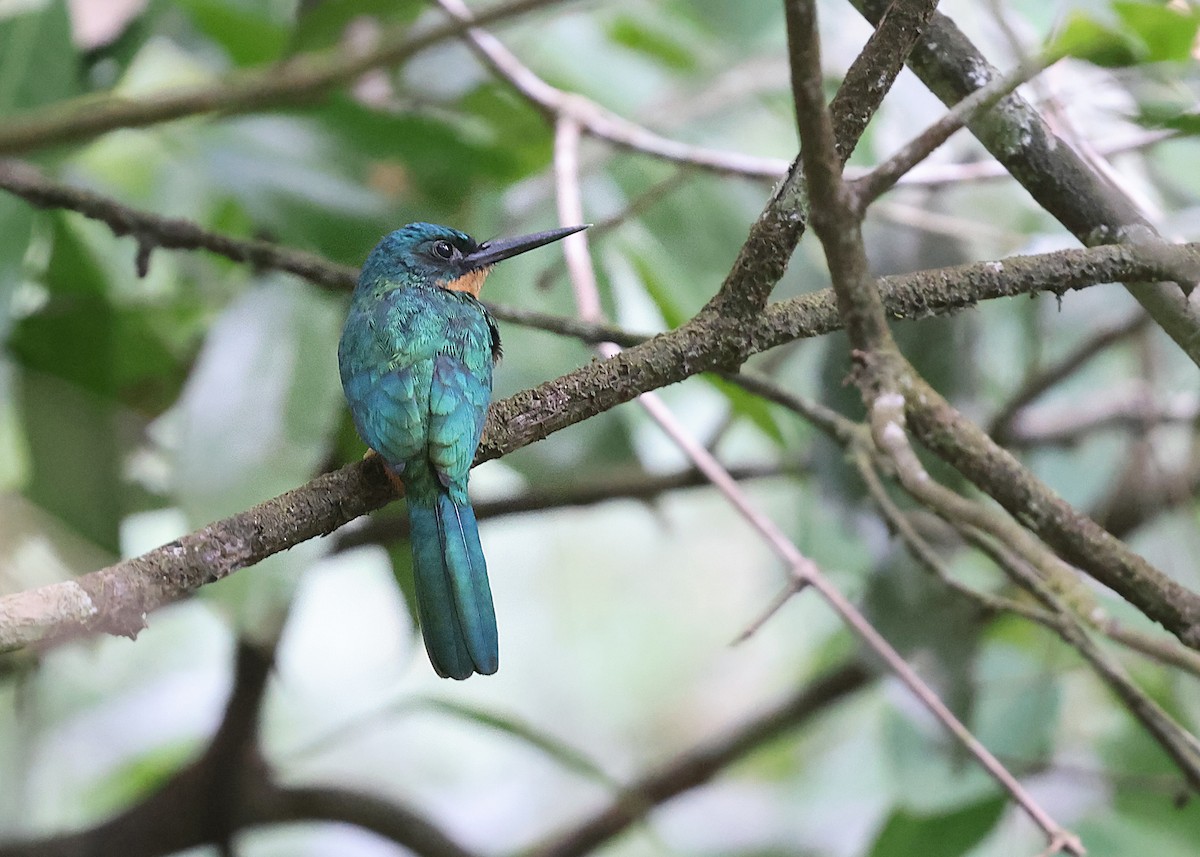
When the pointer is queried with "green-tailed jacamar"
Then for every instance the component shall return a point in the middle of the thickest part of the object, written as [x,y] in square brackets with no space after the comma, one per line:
[416,360]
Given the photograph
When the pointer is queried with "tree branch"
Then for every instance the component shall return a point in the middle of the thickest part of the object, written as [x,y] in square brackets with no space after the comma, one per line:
[774,234]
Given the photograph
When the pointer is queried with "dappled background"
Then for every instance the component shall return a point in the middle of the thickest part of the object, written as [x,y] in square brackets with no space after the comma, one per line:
[135,409]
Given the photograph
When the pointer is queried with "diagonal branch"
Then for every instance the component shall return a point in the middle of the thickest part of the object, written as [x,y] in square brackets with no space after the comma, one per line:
[774,234]
[117,598]
[883,371]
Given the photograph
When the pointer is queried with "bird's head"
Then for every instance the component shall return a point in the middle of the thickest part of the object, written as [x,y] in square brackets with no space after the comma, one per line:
[440,256]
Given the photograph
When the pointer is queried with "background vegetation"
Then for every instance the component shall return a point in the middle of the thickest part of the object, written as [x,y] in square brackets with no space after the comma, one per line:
[197,181]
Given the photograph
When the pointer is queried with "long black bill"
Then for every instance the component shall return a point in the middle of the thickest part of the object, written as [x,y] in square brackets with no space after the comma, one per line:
[498,249]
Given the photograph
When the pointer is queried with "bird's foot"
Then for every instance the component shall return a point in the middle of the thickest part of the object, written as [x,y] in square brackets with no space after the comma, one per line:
[397,482]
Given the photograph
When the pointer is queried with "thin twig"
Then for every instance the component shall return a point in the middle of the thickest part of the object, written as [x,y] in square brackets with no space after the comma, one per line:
[884,176]
[855,438]
[700,764]
[152,230]
[1054,174]
[1035,568]
[593,118]
[301,78]
[911,296]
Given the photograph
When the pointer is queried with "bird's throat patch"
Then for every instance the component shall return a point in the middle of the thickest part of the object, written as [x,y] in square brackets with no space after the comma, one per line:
[470,282]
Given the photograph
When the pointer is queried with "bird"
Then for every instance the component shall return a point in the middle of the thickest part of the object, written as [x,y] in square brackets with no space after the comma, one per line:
[416,357]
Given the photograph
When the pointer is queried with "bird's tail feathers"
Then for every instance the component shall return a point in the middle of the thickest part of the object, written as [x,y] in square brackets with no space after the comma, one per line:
[454,600]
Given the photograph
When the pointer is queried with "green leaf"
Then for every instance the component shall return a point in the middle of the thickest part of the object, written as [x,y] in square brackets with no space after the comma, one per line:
[751,407]
[1018,703]
[444,160]
[1166,31]
[943,835]
[247,34]
[1177,117]
[506,123]
[658,289]
[262,400]
[138,778]
[899,595]
[564,754]
[1084,38]
[16,224]
[655,43]
[323,23]
[69,351]
[38,62]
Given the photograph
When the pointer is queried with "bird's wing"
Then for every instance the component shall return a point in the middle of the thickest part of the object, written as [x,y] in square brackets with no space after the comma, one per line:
[386,360]
[458,401]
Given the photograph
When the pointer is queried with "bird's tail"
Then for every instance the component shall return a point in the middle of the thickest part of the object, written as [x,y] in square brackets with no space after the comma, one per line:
[454,600]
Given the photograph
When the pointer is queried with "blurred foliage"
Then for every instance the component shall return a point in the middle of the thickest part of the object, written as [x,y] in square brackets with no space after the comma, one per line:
[133,410]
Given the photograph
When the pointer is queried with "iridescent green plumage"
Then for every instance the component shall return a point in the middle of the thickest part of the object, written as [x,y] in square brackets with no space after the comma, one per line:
[416,360]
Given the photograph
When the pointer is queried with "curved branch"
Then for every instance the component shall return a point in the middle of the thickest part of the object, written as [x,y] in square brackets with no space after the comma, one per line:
[298,79]
[174,818]
[775,233]
[272,804]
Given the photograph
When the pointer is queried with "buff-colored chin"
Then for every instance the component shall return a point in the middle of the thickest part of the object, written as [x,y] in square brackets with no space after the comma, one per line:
[471,282]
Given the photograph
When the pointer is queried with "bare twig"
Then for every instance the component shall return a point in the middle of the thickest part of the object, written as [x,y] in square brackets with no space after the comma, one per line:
[1132,409]
[804,572]
[594,118]
[934,176]
[115,599]
[1177,742]
[1035,568]
[909,297]
[855,438]
[152,230]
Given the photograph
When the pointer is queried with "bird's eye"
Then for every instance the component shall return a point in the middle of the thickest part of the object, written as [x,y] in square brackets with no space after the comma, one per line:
[443,249]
